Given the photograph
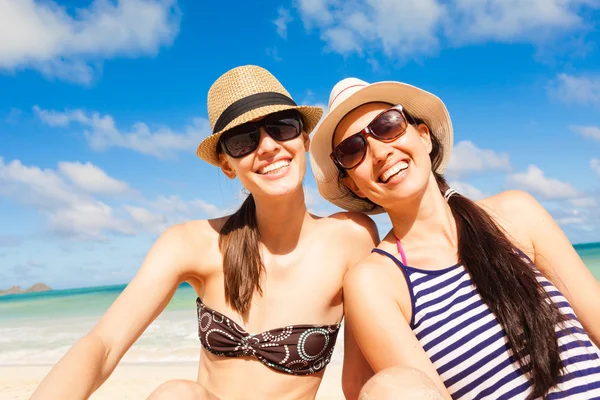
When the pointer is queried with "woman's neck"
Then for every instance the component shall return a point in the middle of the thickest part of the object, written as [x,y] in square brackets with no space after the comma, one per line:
[425,219]
[281,220]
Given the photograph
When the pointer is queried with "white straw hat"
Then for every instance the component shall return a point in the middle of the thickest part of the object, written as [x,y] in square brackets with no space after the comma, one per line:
[351,93]
[243,94]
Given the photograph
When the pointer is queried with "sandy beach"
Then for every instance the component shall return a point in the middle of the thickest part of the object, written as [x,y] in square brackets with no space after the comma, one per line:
[133,381]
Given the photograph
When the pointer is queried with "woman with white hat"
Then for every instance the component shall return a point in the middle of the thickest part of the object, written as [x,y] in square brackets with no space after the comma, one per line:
[268,278]
[488,299]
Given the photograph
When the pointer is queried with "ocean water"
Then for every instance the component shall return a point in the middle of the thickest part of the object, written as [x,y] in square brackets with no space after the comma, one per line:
[38,328]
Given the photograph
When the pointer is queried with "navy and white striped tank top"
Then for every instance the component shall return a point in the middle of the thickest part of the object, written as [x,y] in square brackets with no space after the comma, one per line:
[468,347]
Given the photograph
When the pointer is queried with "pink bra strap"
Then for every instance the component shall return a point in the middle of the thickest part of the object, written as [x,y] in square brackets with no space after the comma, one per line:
[401,251]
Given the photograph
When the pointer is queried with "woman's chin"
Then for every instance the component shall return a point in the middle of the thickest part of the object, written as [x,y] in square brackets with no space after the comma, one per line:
[279,188]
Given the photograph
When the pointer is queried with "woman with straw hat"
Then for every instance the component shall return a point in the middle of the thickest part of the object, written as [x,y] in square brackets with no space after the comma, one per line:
[268,278]
[516,314]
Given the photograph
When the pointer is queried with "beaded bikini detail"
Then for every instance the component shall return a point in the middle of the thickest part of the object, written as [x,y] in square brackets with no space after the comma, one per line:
[296,349]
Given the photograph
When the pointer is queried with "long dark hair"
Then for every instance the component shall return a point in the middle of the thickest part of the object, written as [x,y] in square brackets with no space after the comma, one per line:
[243,267]
[506,283]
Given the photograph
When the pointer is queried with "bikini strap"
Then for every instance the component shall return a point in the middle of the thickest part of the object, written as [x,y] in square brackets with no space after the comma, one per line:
[406,273]
[401,251]
[391,257]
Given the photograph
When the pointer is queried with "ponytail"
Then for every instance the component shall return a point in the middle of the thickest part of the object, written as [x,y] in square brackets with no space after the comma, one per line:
[508,285]
[242,264]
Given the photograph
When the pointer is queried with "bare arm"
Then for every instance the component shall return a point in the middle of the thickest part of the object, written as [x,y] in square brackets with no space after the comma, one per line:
[379,325]
[359,239]
[356,371]
[555,256]
[94,357]
[358,236]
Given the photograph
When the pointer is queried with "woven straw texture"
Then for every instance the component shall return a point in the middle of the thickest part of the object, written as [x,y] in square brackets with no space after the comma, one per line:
[237,84]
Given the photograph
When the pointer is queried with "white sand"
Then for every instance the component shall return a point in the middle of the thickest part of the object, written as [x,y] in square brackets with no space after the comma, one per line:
[135,381]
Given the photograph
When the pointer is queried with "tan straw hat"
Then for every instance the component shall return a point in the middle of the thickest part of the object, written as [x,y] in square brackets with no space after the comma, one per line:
[244,94]
[351,93]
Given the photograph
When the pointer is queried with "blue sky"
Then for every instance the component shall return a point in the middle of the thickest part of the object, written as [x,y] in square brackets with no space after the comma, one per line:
[103,102]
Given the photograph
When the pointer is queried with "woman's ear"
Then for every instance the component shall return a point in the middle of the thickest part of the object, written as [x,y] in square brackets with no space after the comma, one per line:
[425,135]
[226,167]
[306,138]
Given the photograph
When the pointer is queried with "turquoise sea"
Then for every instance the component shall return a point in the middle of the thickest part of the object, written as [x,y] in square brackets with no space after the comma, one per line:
[38,328]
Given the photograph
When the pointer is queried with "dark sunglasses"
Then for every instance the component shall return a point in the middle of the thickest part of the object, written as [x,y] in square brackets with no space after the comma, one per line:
[386,126]
[244,139]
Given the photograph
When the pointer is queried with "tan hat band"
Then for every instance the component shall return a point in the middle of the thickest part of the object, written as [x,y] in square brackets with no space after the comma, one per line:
[250,103]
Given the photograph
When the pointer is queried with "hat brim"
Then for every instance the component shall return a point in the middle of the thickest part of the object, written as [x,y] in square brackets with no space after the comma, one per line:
[419,103]
[207,150]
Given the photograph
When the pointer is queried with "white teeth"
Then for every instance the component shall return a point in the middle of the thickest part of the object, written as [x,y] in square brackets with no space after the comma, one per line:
[274,166]
[402,165]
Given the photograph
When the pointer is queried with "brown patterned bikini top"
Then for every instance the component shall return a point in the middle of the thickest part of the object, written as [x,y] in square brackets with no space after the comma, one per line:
[296,349]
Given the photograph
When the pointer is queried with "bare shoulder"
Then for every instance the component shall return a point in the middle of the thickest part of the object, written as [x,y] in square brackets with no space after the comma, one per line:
[374,271]
[200,232]
[517,212]
[376,274]
[516,206]
[365,276]
[512,203]
[182,243]
[355,224]
[191,233]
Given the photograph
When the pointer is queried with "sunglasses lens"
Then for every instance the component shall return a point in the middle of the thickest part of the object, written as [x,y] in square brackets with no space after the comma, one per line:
[241,141]
[244,139]
[286,128]
[351,151]
[389,125]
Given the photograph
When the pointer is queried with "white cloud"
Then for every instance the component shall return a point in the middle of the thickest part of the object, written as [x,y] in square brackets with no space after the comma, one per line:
[354,25]
[89,219]
[576,89]
[595,166]
[146,219]
[208,209]
[102,133]
[176,205]
[40,188]
[45,36]
[590,132]
[467,190]
[167,211]
[468,158]
[513,20]
[571,220]
[583,202]
[315,11]
[64,197]
[536,182]
[580,223]
[411,28]
[282,21]
[69,210]
[92,179]
[56,118]
[170,204]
